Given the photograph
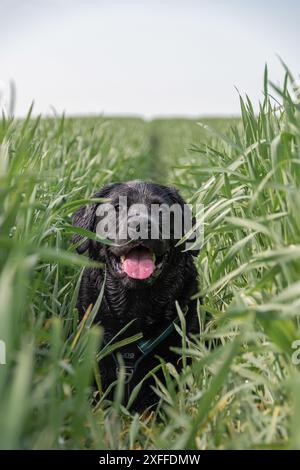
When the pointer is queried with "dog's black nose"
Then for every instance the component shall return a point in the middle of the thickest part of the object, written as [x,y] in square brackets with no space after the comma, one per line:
[141,225]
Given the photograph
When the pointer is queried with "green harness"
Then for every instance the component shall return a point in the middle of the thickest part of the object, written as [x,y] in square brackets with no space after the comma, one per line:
[139,351]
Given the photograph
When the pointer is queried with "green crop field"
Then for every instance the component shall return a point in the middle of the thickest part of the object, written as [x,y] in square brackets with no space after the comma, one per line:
[242,389]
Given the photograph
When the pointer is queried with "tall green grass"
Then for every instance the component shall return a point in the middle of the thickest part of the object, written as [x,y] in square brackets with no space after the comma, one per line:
[242,388]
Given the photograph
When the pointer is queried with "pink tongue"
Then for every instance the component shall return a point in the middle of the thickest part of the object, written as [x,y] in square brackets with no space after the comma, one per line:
[138,263]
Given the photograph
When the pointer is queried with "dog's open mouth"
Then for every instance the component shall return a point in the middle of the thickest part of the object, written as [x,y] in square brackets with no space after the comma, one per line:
[139,263]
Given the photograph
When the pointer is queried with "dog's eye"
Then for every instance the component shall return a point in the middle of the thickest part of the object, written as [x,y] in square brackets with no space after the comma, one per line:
[156,202]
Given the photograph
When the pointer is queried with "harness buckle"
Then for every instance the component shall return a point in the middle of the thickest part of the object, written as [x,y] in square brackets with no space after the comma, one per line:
[128,370]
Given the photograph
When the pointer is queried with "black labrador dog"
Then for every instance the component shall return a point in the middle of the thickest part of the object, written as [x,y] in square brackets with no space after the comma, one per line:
[146,273]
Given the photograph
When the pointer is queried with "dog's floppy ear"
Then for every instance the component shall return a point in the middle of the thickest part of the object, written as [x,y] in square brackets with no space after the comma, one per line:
[177,198]
[84,218]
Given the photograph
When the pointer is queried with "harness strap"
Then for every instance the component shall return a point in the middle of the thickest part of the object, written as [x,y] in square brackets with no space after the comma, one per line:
[142,349]
[146,346]
[138,351]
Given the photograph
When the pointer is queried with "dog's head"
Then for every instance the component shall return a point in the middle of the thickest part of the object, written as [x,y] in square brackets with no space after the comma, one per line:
[142,222]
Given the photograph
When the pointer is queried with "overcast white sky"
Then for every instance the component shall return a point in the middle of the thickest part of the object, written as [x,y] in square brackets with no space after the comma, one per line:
[155,57]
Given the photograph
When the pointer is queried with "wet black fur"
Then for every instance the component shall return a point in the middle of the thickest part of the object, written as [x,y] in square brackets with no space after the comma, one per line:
[151,306]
